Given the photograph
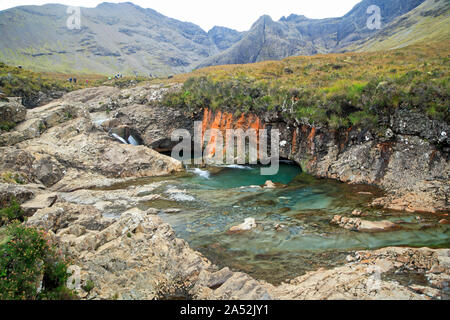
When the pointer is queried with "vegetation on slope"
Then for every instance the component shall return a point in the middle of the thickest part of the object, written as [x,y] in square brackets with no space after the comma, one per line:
[18,82]
[31,266]
[428,22]
[337,90]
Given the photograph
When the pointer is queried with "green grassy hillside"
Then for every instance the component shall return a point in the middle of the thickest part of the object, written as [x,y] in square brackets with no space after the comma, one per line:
[428,22]
[337,90]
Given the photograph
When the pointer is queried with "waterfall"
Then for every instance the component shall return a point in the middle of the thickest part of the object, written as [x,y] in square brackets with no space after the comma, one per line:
[117,137]
[201,173]
[237,166]
[132,141]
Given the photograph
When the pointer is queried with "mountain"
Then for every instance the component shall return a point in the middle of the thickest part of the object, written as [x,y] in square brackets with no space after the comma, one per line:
[298,35]
[224,38]
[125,38]
[113,38]
[428,22]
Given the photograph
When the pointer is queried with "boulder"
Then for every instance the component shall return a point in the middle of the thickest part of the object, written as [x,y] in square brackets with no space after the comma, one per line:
[12,110]
[41,201]
[48,171]
[357,213]
[346,223]
[9,192]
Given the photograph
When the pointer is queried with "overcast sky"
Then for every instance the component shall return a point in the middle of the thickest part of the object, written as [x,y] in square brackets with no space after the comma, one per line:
[235,14]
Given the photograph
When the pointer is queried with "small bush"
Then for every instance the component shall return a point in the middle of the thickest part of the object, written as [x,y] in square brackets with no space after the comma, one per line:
[13,178]
[11,213]
[31,268]
[88,286]
[7,125]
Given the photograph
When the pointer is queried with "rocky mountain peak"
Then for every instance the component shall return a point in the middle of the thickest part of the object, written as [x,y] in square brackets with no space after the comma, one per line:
[123,37]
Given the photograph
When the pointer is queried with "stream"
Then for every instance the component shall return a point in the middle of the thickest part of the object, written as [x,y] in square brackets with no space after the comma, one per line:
[294,234]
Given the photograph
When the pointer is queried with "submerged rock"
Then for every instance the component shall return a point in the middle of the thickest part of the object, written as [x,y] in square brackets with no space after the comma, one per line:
[356,224]
[377,226]
[357,213]
[269,185]
[249,224]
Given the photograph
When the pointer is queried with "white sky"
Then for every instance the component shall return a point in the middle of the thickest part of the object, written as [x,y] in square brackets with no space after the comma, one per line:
[235,14]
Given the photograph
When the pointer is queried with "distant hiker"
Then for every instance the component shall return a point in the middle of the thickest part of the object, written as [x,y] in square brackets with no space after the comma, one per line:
[87,82]
[70,80]
[75,80]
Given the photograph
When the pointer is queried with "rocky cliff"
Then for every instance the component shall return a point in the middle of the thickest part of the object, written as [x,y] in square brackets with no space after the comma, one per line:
[411,168]
[409,160]
[60,146]
[298,35]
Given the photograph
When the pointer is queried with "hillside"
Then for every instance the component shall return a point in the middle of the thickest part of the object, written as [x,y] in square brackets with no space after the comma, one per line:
[114,38]
[298,35]
[125,38]
[335,90]
[428,22]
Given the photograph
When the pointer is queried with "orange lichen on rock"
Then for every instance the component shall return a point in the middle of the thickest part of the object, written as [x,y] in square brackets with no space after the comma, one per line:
[294,142]
[223,121]
[311,136]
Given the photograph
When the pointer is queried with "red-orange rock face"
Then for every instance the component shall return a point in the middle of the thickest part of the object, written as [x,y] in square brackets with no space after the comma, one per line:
[223,121]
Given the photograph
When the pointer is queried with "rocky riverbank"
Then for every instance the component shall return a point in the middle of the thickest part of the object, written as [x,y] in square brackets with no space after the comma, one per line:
[137,256]
[60,151]
[408,158]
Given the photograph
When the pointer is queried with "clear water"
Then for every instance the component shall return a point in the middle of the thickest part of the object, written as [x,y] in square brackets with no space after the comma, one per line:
[215,199]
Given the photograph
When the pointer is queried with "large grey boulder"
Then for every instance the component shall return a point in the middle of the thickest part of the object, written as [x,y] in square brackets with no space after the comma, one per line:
[12,110]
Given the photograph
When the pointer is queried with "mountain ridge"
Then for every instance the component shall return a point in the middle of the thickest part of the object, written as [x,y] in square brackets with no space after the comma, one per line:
[128,39]
[299,35]
[113,38]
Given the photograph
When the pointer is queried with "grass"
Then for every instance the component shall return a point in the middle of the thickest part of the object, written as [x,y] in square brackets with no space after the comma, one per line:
[336,90]
[6,125]
[13,177]
[18,82]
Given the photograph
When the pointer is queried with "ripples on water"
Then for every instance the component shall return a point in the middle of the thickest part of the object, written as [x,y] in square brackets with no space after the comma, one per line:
[215,199]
